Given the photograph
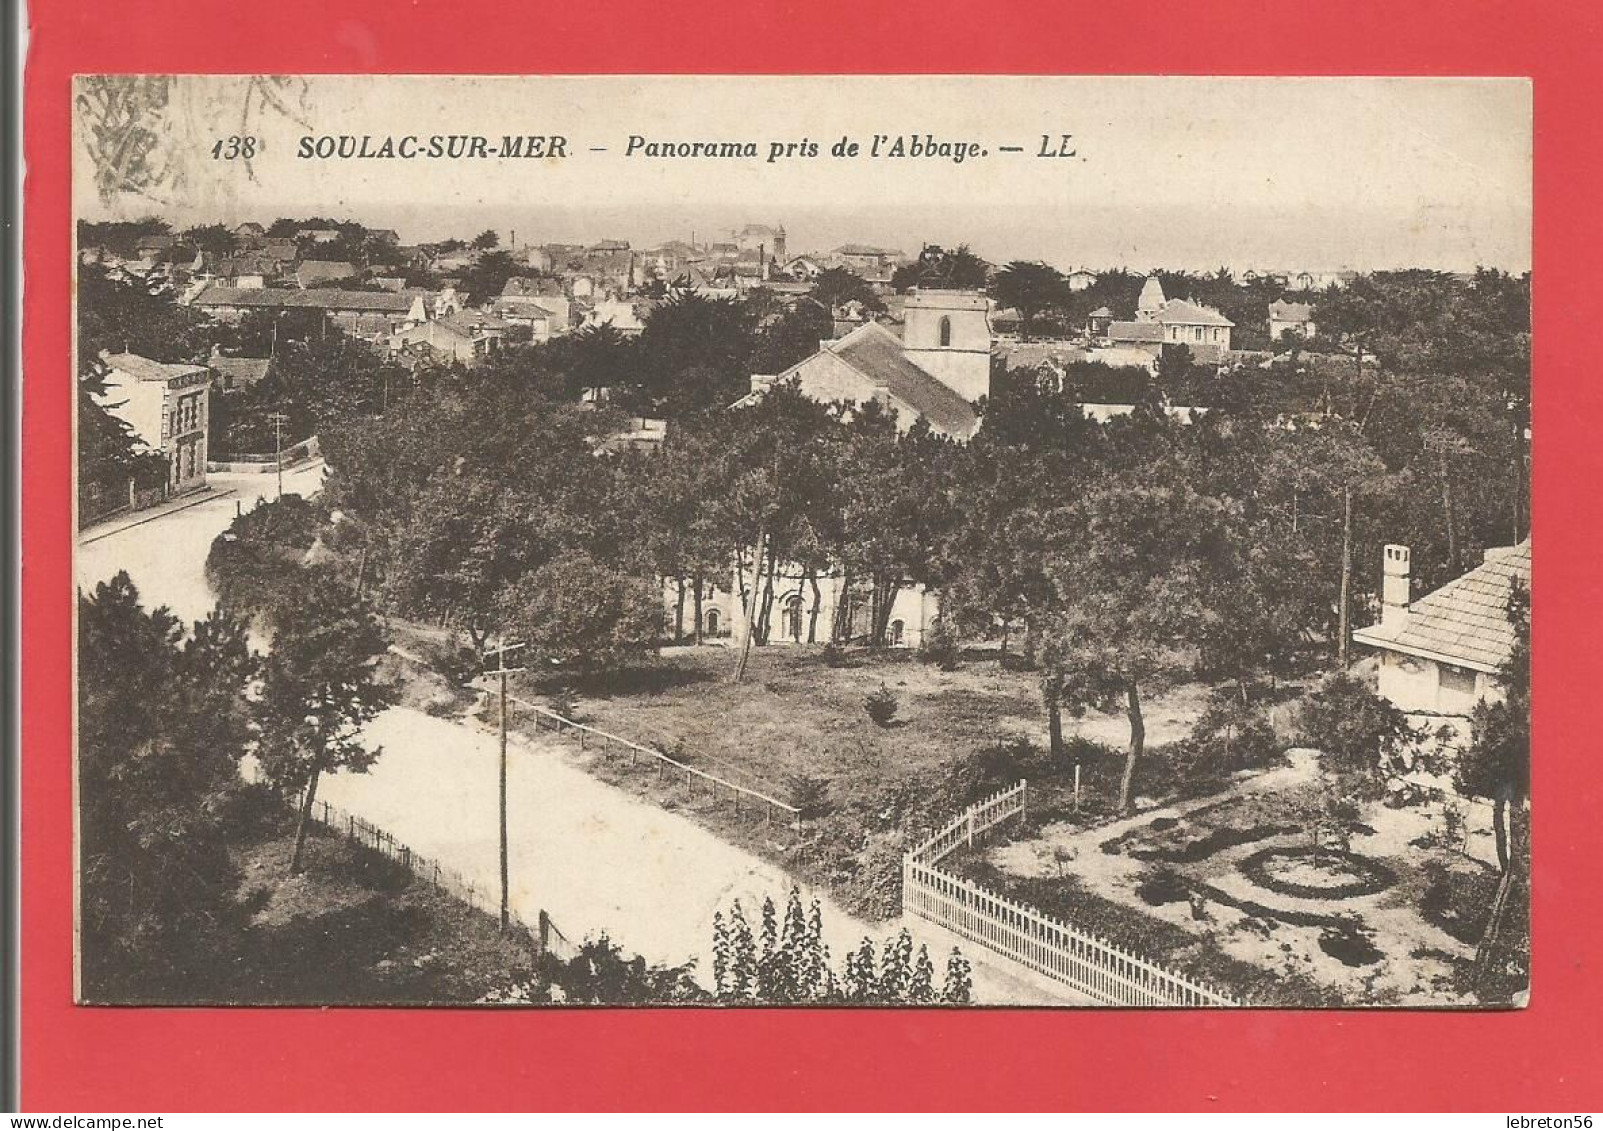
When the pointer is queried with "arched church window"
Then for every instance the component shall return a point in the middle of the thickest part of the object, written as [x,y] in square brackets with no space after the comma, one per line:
[945,331]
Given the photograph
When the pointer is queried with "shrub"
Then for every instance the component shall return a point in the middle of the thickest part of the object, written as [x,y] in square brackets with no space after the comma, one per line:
[881,706]
[1351,944]
[1004,763]
[1358,732]
[1163,885]
[809,794]
[941,645]
[1230,736]
[563,703]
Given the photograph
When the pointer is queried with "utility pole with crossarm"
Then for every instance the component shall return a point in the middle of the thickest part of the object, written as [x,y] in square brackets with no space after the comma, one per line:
[500,652]
[278,420]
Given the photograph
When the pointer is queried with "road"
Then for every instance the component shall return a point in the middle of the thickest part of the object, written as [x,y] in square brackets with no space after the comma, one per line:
[166,556]
[596,858]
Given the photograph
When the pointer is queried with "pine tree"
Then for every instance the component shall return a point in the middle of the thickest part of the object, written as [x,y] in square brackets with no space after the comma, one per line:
[813,973]
[769,989]
[959,987]
[829,987]
[860,984]
[922,989]
[896,968]
[742,955]
[793,948]
[720,956]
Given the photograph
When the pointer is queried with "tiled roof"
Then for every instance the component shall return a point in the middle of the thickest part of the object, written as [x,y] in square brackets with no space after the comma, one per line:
[471,321]
[866,249]
[1029,355]
[317,269]
[321,299]
[144,369]
[1136,332]
[240,370]
[1180,312]
[879,355]
[237,265]
[1465,622]
[1290,311]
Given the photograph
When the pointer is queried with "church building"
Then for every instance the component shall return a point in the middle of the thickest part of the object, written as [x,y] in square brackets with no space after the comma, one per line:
[936,368]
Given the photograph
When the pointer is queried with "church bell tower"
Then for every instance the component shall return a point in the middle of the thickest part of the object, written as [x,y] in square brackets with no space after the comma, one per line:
[948,335]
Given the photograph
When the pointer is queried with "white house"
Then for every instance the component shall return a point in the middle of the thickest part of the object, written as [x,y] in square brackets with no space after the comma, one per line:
[806,609]
[1161,321]
[1081,279]
[1440,655]
[166,406]
[1290,318]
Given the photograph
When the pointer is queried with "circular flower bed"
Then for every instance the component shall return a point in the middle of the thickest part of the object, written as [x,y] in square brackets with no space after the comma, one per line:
[1310,873]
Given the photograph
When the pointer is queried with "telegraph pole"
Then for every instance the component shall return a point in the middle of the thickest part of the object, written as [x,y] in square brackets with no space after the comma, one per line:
[500,669]
[278,420]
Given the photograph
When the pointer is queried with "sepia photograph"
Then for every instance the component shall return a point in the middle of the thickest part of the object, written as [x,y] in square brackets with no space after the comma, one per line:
[886,541]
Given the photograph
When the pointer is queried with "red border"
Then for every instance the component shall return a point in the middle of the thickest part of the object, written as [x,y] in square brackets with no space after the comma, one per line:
[1545,1058]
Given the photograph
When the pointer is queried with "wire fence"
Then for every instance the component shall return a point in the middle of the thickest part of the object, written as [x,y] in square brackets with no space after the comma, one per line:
[441,878]
[696,781]
[1107,974]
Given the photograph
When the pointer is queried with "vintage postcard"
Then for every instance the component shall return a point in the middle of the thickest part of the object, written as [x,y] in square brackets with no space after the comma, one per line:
[884,541]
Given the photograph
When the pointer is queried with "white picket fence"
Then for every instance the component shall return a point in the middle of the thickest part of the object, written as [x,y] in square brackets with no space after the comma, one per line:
[1108,974]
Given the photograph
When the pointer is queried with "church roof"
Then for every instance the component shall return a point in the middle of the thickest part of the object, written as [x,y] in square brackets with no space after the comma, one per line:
[1465,622]
[880,356]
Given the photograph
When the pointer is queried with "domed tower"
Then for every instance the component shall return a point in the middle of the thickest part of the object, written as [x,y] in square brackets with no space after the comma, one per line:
[948,335]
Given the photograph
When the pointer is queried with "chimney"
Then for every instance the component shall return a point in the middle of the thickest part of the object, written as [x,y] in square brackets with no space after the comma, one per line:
[1394,586]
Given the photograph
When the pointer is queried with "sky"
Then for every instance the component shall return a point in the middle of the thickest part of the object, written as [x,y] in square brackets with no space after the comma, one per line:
[1289,173]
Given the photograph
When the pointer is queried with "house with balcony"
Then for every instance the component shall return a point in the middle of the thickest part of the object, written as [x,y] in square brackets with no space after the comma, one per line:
[166,406]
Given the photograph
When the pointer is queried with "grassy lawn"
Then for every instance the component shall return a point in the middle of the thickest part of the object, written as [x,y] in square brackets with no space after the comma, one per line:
[798,714]
[797,729]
